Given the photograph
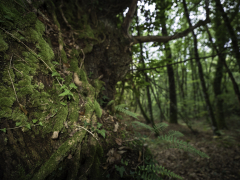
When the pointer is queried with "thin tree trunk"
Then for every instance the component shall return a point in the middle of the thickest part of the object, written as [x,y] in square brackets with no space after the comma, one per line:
[146,79]
[170,71]
[201,76]
[231,32]
[235,85]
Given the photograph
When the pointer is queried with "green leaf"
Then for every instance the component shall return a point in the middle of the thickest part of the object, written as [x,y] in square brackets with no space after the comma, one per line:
[4,130]
[55,62]
[18,123]
[62,103]
[8,17]
[120,170]
[99,125]
[40,123]
[102,132]
[72,85]
[28,126]
[55,73]
[66,92]
[34,121]
[1,21]
[63,87]
[105,97]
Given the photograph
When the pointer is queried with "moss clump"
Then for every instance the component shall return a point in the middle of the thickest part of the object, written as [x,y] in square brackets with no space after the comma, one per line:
[97,109]
[89,107]
[3,44]
[74,108]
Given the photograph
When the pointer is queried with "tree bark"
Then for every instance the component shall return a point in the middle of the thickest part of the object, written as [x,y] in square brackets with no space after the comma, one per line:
[201,76]
[231,32]
[171,78]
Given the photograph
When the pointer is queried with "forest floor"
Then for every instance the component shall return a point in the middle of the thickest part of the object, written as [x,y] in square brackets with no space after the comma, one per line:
[224,151]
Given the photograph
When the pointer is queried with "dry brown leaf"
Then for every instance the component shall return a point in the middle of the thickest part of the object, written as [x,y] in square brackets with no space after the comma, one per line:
[118,141]
[69,156]
[116,127]
[55,135]
[140,156]
[121,152]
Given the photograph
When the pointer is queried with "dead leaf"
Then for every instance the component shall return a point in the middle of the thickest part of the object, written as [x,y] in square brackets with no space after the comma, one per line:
[66,124]
[140,156]
[22,109]
[121,152]
[69,156]
[118,141]
[116,127]
[55,135]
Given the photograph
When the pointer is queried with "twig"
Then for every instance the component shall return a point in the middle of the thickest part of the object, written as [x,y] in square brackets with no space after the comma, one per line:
[83,59]
[88,131]
[17,70]
[21,58]
[13,87]
[21,5]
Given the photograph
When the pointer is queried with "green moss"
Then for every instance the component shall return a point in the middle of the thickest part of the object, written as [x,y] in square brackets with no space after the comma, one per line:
[58,156]
[60,118]
[3,44]
[97,109]
[74,108]
[89,107]
[83,76]
[19,116]
[73,65]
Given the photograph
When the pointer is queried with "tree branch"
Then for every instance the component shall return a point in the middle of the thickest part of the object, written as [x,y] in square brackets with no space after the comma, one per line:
[141,39]
[128,19]
[154,68]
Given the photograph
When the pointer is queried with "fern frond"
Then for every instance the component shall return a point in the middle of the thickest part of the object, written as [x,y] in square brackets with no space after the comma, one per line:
[179,144]
[175,133]
[110,102]
[160,127]
[121,109]
[146,171]
[143,125]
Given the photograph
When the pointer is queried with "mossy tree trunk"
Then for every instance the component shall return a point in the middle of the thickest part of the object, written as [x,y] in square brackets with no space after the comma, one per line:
[68,48]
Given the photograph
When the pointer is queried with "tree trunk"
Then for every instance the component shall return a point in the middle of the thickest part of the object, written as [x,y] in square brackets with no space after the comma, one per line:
[200,71]
[171,78]
[149,109]
[44,104]
[231,32]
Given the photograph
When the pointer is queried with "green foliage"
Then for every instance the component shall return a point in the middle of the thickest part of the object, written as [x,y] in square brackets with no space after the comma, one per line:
[120,169]
[150,170]
[121,108]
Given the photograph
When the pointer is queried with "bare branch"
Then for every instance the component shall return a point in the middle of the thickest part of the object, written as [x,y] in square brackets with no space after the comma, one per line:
[141,39]
[128,20]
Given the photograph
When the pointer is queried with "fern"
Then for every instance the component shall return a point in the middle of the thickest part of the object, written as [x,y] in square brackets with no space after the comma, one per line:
[110,102]
[149,172]
[179,144]
[125,111]
[171,138]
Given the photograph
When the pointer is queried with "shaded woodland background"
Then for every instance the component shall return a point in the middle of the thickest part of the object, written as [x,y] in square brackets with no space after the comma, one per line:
[72,70]
[194,77]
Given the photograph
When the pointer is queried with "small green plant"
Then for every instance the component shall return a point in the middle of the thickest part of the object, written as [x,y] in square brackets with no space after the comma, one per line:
[27,125]
[90,74]
[98,130]
[67,90]
[120,169]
